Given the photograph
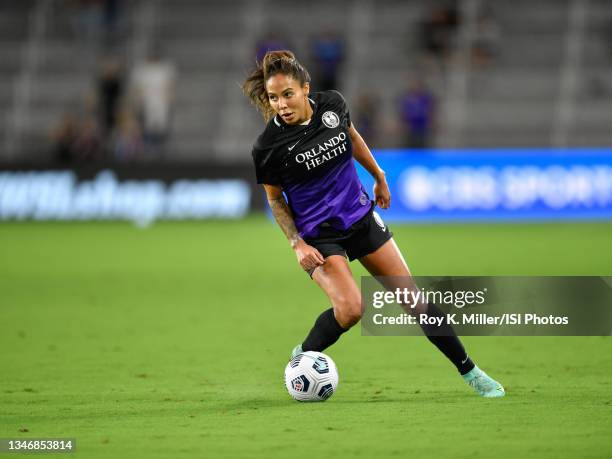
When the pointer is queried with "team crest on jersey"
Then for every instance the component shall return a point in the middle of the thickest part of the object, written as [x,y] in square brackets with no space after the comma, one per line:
[378,220]
[330,119]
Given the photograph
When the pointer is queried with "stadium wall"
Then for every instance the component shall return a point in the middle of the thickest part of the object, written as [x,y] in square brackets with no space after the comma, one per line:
[497,185]
[140,193]
[426,185]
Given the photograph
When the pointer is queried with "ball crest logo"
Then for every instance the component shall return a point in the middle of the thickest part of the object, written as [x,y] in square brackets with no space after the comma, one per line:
[330,119]
[300,384]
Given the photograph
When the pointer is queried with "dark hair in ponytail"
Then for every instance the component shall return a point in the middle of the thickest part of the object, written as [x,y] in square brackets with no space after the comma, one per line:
[274,62]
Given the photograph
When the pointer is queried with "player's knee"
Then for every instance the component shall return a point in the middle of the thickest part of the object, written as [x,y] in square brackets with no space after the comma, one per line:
[348,311]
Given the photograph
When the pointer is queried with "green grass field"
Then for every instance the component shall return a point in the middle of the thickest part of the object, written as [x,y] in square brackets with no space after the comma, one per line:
[171,342]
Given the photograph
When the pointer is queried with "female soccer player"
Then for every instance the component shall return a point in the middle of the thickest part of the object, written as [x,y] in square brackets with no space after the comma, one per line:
[306,153]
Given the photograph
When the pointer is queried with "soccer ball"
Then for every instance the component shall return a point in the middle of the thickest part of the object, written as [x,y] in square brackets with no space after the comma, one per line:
[311,377]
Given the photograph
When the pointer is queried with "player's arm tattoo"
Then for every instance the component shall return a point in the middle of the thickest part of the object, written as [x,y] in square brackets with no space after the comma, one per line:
[284,218]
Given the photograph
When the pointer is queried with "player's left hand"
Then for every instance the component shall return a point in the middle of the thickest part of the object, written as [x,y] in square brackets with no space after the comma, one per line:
[382,195]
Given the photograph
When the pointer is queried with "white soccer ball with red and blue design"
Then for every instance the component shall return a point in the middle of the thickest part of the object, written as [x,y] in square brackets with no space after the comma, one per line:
[311,377]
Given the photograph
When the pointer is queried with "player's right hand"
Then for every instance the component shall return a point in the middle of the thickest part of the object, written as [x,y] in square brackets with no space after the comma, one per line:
[308,257]
[382,195]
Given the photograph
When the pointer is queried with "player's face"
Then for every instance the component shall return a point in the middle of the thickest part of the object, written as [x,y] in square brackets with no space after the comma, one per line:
[288,98]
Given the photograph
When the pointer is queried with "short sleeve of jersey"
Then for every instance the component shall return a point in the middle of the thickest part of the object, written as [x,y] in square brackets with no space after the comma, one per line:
[265,171]
[338,98]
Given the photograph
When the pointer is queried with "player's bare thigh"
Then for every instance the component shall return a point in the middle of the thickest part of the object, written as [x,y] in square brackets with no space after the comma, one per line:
[387,261]
[336,280]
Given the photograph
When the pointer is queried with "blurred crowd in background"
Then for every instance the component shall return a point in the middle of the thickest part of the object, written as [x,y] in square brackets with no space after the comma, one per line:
[128,113]
[128,110]
[144,80]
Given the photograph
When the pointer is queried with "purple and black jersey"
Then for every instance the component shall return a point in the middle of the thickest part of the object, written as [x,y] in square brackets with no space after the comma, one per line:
[314,165]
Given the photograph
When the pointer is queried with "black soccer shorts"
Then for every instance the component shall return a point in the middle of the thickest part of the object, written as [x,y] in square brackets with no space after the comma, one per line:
[360,239]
